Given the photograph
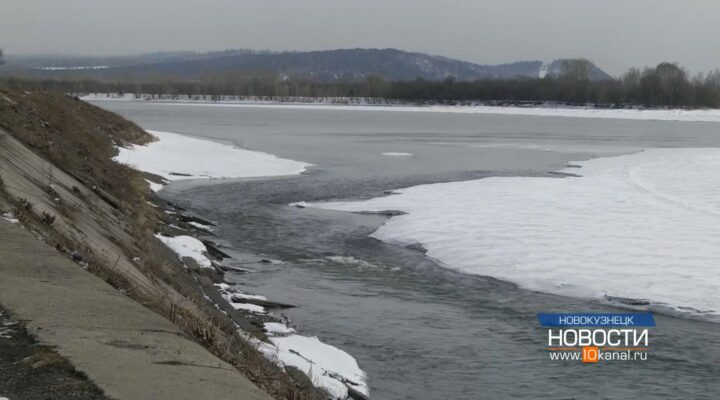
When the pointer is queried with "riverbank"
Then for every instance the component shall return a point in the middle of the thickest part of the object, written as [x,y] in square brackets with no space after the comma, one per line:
[544,109]
[327,367]
[124,348]
[100,221]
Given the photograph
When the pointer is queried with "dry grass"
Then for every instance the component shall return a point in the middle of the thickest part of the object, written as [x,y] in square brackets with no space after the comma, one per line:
[44,357]
[224,341]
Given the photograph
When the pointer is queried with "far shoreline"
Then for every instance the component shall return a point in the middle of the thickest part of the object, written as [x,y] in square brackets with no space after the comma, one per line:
[514,108]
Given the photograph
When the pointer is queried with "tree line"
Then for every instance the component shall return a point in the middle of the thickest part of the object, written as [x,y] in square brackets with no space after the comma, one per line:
[666,85]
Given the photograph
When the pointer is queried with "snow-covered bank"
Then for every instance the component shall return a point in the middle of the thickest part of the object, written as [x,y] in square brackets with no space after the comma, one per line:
[327,366]
[639,226]
[687,115]
[174,157]
[155,187]
[187,246]
[73,68]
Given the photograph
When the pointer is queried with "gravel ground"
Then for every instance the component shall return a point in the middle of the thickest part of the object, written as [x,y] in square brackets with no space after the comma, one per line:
[31,371]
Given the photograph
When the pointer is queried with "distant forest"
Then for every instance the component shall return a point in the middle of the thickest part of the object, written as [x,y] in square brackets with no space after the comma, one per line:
[667,85]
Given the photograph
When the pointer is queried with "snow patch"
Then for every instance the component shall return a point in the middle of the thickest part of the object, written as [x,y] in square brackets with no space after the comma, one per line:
[10,217]
[74,68]
[544,68]
[254,308]
[327,367]
[349,260]
[249,296]
[278,328]
[187,246]
[5,334]
[231,295]
[638,226]
[176,157]
[155,187]
[201,226]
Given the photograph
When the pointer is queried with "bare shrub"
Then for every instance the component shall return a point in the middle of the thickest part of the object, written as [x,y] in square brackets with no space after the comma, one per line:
[47,219]
[26,205]
[50,189]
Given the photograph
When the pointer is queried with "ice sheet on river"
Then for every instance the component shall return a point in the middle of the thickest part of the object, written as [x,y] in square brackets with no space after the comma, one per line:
[638,226]
[176,157]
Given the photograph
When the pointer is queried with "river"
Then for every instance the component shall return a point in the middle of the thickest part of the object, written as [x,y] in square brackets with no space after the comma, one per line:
[421,331]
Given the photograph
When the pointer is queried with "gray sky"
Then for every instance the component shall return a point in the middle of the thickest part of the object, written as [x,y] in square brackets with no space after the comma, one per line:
[616,34]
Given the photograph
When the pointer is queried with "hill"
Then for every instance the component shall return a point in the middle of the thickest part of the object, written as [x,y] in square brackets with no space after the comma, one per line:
[320,66]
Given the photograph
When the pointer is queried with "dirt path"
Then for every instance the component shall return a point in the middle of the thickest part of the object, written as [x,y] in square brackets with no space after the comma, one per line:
[127,350]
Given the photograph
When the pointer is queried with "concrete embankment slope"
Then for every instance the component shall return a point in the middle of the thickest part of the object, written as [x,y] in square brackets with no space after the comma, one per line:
[58,180]
[126,349]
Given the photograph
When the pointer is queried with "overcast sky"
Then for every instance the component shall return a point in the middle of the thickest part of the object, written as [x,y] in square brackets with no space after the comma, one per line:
[615,34]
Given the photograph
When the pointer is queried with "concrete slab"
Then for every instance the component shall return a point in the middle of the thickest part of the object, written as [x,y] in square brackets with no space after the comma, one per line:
[126,349]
